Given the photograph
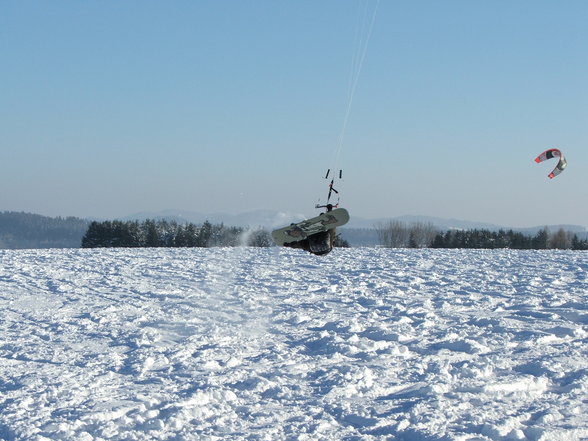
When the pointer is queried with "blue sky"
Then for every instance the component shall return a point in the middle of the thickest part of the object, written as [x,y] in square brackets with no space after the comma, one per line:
[110,108]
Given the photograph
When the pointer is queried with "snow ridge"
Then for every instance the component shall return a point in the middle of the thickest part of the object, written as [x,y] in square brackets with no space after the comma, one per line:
[267,344]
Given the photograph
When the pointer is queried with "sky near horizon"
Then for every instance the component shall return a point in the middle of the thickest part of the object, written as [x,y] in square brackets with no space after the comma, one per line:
[111,108]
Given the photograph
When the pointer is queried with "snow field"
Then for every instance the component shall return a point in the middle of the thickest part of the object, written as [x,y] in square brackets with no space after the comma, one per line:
[270,344]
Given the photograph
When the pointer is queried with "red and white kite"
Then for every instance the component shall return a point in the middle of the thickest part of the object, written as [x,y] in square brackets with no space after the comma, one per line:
[553,153]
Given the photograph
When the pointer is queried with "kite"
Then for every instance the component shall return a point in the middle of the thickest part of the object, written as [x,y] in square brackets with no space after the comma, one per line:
[553,153]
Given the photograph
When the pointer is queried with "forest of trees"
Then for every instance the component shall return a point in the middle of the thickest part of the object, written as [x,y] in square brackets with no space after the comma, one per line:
[163,233]
[396,234]
[543,240]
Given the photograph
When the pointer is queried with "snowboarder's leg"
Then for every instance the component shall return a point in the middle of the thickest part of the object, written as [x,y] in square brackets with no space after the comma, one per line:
[320,243]
[302,244]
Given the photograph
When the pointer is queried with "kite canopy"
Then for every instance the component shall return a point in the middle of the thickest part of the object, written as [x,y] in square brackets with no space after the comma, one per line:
[553,153]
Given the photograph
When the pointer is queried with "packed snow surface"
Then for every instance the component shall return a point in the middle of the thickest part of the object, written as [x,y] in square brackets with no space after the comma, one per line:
[278,344]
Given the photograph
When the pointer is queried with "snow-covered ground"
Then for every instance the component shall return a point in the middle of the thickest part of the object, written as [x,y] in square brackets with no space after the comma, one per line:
[278,344]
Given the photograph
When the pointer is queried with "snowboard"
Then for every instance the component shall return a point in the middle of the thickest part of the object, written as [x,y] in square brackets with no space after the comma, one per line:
[301,230]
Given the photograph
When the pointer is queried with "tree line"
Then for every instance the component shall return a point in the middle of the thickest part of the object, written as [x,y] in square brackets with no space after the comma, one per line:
[396,234]
[543,240]
[163,233]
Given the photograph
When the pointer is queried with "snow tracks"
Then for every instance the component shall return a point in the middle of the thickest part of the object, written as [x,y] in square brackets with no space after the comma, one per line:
[268,344]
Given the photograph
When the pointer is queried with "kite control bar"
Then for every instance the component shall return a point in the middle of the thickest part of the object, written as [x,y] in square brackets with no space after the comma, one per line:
[331,191]
[340,174]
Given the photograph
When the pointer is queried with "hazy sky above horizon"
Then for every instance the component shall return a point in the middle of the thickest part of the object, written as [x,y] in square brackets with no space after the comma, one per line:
[111,108]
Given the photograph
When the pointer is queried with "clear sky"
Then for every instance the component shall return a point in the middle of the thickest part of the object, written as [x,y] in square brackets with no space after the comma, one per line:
[108,108]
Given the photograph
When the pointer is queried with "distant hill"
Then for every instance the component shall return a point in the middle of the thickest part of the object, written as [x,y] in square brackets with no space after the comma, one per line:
[457,224]
[26,230]
[359,237]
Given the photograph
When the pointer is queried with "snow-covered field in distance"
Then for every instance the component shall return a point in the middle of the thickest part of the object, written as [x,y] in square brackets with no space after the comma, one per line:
[278,344]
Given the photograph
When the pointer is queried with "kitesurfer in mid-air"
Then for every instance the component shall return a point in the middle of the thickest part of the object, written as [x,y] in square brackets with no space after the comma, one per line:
[319,243]
[317,234]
